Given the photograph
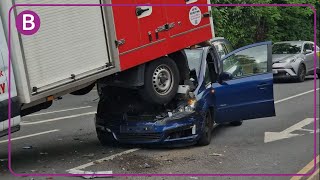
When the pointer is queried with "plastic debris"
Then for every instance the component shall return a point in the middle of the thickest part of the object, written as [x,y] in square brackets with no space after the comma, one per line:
[91,174]
[89,155]
[193,177]
[43,153]
[2,160]
[27,147]
[215,154]
[146,165]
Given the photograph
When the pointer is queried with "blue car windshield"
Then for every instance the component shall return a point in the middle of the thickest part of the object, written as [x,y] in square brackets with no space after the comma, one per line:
[286,48]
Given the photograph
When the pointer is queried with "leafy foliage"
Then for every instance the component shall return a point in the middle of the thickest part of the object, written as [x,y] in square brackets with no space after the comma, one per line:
[247,25]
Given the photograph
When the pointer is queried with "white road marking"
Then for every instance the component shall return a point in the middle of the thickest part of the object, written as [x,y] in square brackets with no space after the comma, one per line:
[298,95]
[101,160]
[64,110]
[31,135]
[287,133]
[56,119]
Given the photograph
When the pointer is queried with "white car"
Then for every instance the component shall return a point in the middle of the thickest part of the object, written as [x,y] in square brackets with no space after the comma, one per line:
[295,59]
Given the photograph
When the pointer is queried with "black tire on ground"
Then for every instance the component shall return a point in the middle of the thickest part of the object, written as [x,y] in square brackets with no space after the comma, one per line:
[302,72]
[161,81]
[318,74]
[206,136]
[106,138]
[236,123]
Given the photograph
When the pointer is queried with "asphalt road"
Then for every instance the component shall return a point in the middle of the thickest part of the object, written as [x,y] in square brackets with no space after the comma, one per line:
[63,138]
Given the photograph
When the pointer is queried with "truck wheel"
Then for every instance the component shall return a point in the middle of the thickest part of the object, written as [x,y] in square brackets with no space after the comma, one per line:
[161,81]
[106,138]
[206,136]
[301,73]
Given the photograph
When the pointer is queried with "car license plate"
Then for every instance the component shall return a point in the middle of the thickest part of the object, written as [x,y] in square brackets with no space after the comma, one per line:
[275,71]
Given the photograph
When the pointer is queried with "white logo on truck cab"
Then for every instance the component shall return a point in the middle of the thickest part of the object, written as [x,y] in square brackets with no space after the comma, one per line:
[195,15]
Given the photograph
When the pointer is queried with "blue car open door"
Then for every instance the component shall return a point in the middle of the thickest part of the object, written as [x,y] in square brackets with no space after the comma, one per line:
[245,87]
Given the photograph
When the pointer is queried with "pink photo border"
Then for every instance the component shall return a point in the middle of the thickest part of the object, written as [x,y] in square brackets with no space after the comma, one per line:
[164,175]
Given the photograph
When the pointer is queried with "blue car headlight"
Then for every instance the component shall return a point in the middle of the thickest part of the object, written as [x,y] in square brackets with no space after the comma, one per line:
[189,107]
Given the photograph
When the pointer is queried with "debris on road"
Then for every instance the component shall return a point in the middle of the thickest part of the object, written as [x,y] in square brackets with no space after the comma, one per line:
[2,160]
[193,177]
[215,154]
[146,165]
[91,174]
[89,155]
[43,153]
[27,147]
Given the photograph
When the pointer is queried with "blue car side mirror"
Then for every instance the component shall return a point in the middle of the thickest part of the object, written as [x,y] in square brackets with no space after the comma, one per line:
[225,76]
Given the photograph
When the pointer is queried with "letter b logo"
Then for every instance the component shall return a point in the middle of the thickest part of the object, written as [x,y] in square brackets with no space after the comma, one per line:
[28,22]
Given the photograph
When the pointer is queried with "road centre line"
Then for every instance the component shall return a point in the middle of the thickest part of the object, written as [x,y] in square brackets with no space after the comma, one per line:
[64,110]
[306,169]
[56,119]
[298,95]
[102,160]
[31,135]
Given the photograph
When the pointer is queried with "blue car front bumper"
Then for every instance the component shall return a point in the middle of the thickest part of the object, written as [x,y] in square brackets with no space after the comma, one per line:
[180,129]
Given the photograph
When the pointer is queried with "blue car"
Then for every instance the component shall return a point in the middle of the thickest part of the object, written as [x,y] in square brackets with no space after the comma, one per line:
[231,89]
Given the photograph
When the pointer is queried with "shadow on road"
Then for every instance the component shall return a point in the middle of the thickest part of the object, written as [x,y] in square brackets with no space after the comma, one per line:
[290,80]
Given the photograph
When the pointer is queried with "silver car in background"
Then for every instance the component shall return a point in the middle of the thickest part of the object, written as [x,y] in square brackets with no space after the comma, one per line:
[294,59]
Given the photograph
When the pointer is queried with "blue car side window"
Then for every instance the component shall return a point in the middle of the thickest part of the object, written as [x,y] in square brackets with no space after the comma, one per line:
[248,62]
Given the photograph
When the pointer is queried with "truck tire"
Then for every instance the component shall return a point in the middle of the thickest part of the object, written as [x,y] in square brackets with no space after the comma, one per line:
[206,135]
[161,81]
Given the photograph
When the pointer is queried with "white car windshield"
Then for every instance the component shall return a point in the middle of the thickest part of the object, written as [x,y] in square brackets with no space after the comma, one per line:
[287,48]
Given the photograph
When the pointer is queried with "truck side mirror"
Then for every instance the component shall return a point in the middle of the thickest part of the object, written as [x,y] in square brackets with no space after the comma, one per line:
[225,76]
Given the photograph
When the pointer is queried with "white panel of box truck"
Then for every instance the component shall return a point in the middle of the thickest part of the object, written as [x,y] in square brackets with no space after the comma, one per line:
[68,51]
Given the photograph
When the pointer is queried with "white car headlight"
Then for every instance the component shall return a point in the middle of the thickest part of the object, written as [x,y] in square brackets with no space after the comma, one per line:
[288,60]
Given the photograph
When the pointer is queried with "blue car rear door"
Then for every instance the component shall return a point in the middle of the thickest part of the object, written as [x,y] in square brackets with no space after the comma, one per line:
[248,92]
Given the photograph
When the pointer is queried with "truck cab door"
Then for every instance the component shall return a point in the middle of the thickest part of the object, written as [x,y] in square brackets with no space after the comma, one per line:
[245,86]
[14,114]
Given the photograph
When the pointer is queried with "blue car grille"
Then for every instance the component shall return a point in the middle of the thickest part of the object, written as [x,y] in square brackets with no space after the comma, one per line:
[139,136]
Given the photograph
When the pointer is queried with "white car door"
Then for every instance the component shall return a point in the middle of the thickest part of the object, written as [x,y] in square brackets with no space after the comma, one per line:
[309,56]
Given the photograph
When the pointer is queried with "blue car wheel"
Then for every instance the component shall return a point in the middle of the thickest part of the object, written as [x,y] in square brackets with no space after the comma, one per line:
[206,136]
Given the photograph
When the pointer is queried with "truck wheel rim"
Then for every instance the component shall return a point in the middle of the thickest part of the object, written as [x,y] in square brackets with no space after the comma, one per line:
[162,80]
